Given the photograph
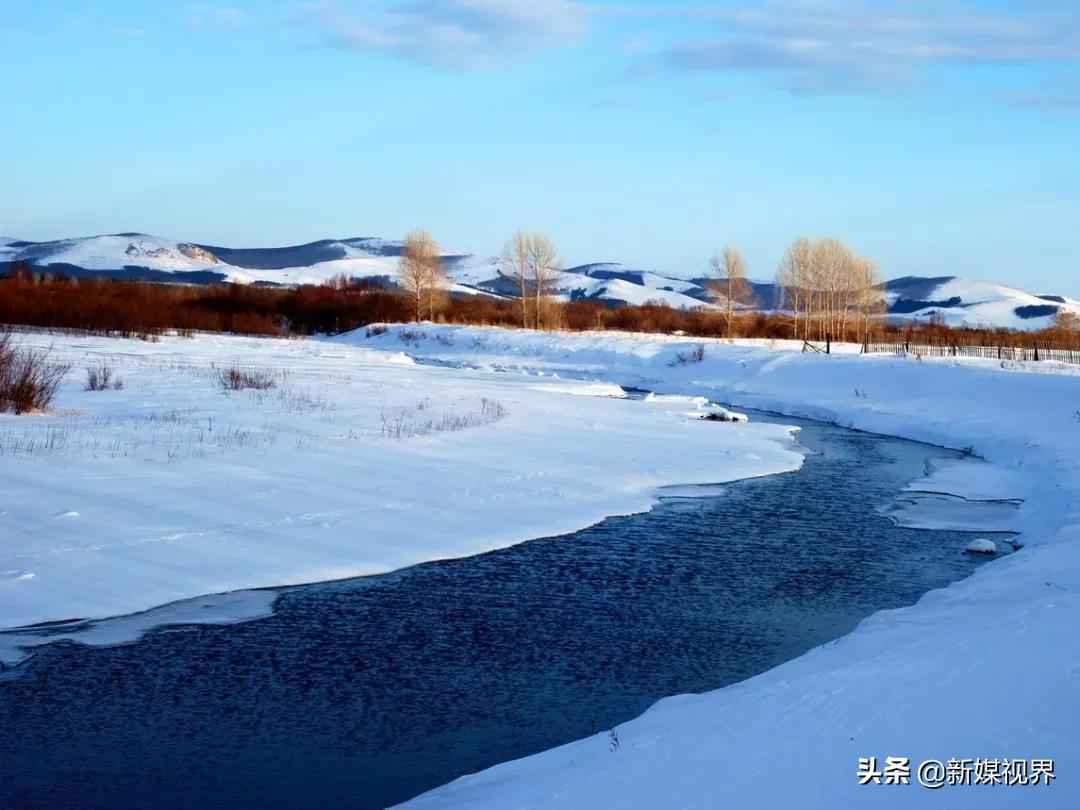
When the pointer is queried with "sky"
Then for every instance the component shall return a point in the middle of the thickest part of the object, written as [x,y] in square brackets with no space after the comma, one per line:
[936,138]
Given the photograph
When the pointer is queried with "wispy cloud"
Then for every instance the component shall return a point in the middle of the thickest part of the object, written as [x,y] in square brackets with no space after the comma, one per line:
[804,46]
[859,47]
[1065,102]
[451,33]
[206,17]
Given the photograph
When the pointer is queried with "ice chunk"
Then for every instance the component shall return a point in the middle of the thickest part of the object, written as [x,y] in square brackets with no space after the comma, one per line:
[718,413]
[675,399]
[981,545]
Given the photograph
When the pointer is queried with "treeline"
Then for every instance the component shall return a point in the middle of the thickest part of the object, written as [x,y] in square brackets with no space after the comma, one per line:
[146,309]
[143,308]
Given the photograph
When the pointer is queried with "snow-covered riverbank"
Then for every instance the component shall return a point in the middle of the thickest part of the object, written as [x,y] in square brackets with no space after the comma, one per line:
[988,668]
[358,462]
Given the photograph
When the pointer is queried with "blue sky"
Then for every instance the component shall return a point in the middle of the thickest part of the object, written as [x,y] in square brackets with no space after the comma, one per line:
[936,138]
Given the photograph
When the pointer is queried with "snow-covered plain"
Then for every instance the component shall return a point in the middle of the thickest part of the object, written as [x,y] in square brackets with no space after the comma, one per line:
[989,667]
[358,462]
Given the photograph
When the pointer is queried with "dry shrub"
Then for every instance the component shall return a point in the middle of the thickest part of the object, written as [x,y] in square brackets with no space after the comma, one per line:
[238,379]
[695,355]
[28,380]
[102,378]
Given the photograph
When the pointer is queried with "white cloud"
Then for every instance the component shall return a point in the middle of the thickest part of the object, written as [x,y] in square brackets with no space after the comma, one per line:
[1059,102]
[806,46]
[452,33]
[206,17]
[863,47]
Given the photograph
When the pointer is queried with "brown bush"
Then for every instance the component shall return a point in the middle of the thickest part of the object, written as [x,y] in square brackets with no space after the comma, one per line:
[28,381]
[238,379]
[101,378]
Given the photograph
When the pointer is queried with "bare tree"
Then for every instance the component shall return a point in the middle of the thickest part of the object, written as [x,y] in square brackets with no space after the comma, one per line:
[1067,327]
[830,263]
[421,270]
[870,297]
[543,268]
[515,264]
[1066,321]
[437,284]
[730,267]
[793,278]
[829,289]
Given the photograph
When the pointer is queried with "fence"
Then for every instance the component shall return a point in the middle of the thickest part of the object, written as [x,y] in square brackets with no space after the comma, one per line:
[1034,352]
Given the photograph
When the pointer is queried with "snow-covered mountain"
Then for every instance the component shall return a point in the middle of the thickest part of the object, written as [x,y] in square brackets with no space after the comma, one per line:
[141,256]
[956,301]
[960,302]
[612,283]
[138,256]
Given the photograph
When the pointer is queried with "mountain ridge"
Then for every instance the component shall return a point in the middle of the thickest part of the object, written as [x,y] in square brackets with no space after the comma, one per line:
[140,256]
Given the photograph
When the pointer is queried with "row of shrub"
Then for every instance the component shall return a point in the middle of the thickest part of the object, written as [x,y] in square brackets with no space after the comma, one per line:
[148,309]
[135,308]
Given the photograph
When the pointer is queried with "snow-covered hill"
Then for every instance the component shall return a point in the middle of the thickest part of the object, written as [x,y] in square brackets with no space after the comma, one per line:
[957,302]
[118,255]
[139,256]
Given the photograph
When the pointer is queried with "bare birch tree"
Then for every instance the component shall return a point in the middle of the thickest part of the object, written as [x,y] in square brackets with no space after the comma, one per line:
[829,289]
[437,284]
[515,265]
[1066,321]
[871,298]
[543,268]
[421,271]
[793,279]
[829,262]
[730,268]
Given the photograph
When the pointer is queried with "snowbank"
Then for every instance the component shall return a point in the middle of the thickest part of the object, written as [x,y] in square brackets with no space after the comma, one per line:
[989,667]
[225,608]
[586,389]
[665,399]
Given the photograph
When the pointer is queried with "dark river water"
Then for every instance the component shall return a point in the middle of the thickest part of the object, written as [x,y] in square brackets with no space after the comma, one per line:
[363,693]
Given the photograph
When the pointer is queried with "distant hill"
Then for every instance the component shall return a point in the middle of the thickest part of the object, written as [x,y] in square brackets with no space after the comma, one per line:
[960,302]
[137,256]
